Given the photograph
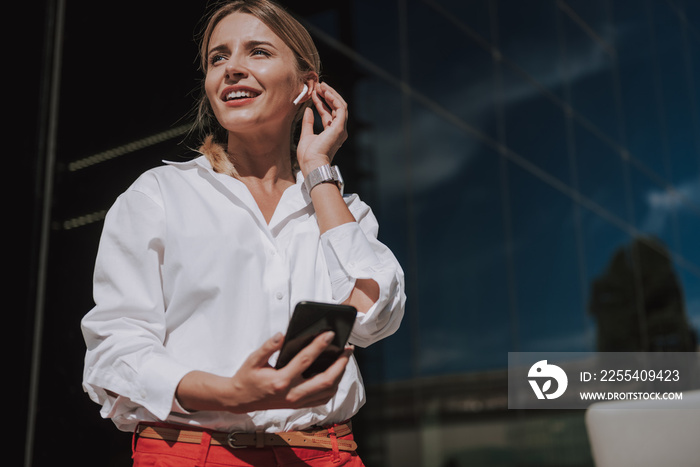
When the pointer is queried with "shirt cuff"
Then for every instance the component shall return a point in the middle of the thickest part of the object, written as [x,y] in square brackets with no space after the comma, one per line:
[177,408]
[159,384]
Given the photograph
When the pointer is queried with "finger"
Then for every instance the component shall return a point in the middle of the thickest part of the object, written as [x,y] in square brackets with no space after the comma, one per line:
[339,112]
[308,354]
[340,109]
[331,376]
[307,123]
[327,90]
[260,357]
[337,368]
[335,100]
[323,110]
[322,387]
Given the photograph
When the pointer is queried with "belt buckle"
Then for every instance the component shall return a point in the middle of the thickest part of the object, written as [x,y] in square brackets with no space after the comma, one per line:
[231,439]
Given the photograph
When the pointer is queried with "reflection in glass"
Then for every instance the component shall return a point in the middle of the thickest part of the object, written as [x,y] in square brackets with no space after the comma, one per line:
[639,94]
[653,209]
[547,268]
[679,111]
[376,34]
[532,46]
[690,284]
[473,15]
[450,69]
[689,222]
[600,240]
[589,72]
[534,126]
[383,159]
[600,173]
[461,262]
[638,302]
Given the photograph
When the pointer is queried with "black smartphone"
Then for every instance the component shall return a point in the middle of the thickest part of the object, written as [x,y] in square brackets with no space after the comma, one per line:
[308,321]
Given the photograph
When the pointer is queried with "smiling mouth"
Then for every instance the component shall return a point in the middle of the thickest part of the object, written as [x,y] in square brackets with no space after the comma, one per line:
[240,94]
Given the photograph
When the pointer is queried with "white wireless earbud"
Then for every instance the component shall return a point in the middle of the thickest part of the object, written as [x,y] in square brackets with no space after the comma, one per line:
[296,101]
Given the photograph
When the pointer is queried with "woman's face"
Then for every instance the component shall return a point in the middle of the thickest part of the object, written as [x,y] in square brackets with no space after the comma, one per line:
[251,77]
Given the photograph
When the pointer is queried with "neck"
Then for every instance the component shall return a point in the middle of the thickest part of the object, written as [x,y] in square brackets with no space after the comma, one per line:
[261,157]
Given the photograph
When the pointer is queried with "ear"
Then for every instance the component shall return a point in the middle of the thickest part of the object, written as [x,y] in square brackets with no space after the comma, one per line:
[310,80]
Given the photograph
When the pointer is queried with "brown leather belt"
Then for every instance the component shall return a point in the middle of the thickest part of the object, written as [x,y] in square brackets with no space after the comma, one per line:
[321,438]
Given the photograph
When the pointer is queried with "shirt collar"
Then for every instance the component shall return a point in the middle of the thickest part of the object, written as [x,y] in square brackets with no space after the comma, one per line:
[201,161]
[294,200]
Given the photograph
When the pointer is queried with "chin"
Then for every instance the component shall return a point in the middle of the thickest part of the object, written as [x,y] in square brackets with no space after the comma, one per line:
[240,124]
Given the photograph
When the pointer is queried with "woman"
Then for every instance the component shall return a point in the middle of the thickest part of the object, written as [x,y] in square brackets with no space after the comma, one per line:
[201,263]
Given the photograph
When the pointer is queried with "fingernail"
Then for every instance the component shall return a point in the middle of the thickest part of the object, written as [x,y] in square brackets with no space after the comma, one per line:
[329,336]
[277,337]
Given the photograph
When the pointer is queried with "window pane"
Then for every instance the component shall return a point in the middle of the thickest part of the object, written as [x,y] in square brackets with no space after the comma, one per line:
[547,270]
[535,126]
[461,263]
[600,173]
[449,68]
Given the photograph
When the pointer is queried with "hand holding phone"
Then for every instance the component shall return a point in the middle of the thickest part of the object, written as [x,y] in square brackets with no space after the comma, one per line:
[308,321]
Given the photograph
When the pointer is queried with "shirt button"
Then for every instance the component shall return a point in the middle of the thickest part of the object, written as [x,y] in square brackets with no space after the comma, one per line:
[279,295]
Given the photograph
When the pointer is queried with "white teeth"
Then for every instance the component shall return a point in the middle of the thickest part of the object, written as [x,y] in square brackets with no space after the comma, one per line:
[238,95]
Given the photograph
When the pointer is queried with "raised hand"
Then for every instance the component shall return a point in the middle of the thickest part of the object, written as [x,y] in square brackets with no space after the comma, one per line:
[313,149]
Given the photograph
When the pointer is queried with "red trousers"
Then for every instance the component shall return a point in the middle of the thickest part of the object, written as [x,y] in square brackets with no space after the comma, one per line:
[158,453]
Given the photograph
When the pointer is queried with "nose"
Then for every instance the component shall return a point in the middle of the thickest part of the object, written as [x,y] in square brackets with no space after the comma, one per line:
[235,70]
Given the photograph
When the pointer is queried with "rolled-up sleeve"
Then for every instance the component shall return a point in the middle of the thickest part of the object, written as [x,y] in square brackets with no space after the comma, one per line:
[352,252]
[126,363]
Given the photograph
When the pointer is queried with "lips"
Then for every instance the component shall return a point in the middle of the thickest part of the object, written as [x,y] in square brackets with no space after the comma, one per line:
[238,93]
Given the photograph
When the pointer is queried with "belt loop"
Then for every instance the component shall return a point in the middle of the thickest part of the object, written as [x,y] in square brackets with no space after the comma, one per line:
[204,449]
[133,441]
[259,439]
[335,456]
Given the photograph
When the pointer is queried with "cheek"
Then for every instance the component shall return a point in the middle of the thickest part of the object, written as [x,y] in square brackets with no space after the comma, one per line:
[211,89]
[281,81]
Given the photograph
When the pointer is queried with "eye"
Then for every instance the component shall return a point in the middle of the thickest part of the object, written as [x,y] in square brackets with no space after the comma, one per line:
[216,58]
[260,52]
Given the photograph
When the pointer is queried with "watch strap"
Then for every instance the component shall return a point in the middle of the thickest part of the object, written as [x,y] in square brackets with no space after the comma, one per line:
[324,174]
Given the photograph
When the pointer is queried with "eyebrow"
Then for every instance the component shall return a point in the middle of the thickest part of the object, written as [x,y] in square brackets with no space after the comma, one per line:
[251,44]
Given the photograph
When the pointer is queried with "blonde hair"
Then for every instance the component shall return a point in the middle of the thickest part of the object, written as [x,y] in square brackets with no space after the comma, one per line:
[284,25]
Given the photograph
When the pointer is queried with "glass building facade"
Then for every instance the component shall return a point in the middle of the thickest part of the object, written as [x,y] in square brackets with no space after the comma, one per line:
[533,164]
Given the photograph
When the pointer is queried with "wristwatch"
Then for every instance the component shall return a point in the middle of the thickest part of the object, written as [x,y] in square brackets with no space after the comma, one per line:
[324,174]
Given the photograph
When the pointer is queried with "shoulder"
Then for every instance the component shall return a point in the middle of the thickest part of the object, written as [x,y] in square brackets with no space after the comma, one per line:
[154,180]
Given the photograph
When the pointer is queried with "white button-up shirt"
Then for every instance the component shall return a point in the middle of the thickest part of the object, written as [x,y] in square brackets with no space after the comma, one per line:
[189,276]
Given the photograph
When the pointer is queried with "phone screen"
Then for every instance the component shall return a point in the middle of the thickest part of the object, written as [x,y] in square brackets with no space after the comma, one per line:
[308,321]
